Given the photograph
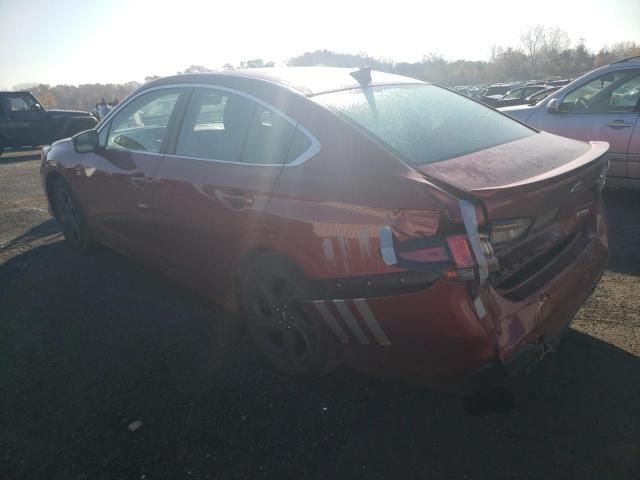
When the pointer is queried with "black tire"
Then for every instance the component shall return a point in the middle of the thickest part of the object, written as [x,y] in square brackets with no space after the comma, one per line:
[70,217]
[292,341]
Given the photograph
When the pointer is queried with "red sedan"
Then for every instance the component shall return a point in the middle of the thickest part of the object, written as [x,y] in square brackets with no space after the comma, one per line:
[347,216]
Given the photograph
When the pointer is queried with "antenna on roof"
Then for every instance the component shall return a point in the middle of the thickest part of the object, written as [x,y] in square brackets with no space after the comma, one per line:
[363,76]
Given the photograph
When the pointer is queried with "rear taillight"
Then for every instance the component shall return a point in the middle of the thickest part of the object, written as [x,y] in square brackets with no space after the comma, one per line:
[408,224]
[461,251]
[412,242]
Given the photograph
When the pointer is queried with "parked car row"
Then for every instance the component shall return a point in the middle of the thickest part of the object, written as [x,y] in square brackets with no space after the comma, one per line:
[513,93]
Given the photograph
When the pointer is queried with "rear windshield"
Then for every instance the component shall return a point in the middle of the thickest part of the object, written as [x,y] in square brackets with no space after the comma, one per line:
[423,123]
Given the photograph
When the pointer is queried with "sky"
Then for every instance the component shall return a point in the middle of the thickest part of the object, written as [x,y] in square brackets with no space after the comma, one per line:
[80,41]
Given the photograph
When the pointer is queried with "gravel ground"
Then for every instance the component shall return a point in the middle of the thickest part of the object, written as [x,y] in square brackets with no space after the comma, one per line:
[108,371]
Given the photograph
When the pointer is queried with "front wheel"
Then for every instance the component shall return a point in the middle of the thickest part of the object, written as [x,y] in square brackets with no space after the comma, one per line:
[292,341]
[69,215]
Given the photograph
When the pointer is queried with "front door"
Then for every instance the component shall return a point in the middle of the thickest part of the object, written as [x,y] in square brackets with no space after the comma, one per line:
[115,181]
[211,192]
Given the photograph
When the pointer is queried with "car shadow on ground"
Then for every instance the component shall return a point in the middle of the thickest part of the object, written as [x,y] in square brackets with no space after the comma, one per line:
[623,211]
[19,156]
[45,229]
[90,344]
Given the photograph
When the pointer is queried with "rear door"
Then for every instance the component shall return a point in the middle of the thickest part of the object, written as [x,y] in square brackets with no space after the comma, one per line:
[114,182]
[604,108]
[211,191]
[633,156]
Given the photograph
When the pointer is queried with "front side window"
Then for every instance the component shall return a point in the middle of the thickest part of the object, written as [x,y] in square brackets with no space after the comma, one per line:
[224,126]
[142,124]
[612,92]
[21,103]
[424,123]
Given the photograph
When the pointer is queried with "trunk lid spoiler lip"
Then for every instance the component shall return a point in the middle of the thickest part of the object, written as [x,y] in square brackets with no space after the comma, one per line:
[597,150]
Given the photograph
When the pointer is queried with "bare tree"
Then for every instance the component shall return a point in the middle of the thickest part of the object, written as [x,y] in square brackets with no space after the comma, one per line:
[555,41]
[533,38]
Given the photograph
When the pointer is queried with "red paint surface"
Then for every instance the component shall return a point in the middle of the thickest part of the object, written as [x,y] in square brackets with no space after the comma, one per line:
[199,221]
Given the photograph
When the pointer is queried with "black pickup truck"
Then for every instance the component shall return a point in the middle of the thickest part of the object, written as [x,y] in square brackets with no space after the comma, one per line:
[25,123]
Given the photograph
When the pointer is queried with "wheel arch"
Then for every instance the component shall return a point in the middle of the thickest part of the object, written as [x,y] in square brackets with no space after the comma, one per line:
[257,243]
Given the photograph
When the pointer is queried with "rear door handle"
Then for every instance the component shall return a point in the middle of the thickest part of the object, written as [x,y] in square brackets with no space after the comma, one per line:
[618,124]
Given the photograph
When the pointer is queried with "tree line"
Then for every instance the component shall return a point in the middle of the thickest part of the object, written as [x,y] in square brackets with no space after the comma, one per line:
[543,52]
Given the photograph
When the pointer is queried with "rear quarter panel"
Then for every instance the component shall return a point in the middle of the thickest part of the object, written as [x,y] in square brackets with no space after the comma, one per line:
[333,205]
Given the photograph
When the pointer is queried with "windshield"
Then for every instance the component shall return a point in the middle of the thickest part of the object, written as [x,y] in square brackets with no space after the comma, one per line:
[424,123]
[501,90]
[513,94]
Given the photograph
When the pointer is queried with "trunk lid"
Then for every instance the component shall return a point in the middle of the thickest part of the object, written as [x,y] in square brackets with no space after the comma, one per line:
[538,195]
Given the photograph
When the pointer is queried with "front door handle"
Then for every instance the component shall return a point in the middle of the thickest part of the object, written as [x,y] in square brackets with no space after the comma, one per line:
[236,199]
[616,124]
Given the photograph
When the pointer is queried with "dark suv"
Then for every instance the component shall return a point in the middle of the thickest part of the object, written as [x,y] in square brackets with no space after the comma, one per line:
[25,123]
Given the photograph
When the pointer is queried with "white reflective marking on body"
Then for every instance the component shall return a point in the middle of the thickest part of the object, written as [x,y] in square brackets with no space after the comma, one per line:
[327,248]
[364,243]
[348,317]
[344,252]
[370,320]
[332,322]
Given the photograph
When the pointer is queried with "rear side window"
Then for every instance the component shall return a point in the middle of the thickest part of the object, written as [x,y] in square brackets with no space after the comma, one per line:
[300,144]
[223,126]
[269,138]
[423,123]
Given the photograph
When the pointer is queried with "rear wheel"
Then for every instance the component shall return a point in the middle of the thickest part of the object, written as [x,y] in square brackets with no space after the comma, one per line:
[293,342]
[69,215]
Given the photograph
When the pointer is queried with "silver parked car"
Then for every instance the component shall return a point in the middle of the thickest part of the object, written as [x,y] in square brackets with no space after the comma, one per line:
[602,105]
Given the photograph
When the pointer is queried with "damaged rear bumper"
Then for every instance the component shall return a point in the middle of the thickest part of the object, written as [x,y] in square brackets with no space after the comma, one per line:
[436,337]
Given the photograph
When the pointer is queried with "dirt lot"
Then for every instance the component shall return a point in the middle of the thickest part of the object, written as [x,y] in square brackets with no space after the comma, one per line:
[89,345]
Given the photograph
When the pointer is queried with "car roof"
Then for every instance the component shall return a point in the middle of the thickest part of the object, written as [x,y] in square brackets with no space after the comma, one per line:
[306,80]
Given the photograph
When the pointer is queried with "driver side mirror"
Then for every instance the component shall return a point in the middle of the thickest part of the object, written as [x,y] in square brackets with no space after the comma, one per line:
[85,142]
[553,105]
